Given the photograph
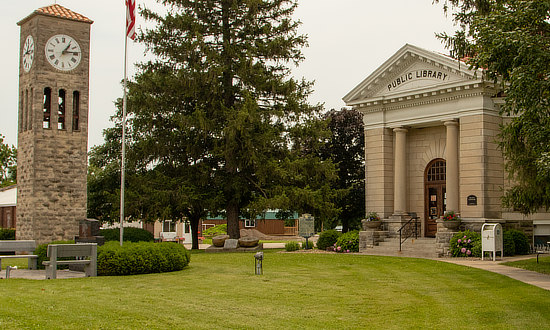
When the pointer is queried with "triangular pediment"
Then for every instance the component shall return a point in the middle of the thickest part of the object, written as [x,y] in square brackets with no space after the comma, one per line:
[412,70]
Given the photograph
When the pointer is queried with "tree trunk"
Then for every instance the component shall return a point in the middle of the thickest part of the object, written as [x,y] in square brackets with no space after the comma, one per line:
[232,210]
[194,220]
[345,225]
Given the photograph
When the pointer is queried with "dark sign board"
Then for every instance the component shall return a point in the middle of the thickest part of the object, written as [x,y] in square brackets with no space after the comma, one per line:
[306,225]
[472,200]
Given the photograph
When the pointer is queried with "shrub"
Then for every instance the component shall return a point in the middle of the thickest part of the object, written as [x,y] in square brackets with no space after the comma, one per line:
[292,246]
[130,235]
[521,243]
[215,231]
[348,242]
[141,258]
[465,244]
[310,244]
[42,252]
[509,245]
[327,239]
[7,234]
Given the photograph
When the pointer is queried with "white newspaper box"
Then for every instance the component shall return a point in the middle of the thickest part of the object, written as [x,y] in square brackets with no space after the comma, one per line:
[491,240]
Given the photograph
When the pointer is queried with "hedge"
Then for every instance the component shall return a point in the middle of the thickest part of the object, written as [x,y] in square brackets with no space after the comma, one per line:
[141,258]
[7,234]
[130,235]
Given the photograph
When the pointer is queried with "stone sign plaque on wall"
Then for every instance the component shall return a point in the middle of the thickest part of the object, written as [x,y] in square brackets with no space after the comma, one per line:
[306,225]
[472,200]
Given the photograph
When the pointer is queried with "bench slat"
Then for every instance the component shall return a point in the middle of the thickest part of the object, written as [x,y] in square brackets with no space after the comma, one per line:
[20,256]
[71,250]
[17,246]
[67,262]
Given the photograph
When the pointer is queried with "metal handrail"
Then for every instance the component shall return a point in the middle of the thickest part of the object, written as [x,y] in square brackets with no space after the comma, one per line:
[413,218]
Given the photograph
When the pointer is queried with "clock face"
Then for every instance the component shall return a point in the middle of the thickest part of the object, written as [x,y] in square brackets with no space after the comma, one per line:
[28,53]
[63,52]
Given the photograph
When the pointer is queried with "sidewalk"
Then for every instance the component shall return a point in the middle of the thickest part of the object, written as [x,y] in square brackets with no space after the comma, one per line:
[526,276]
[39,274]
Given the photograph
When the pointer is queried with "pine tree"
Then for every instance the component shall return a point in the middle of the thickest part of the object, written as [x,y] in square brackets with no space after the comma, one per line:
[216,124]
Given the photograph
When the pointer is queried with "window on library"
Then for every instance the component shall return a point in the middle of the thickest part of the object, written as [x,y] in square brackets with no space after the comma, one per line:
[61,110]
[76,111]
[47,109]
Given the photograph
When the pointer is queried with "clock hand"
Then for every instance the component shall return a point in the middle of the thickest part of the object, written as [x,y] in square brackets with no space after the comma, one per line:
[65,50]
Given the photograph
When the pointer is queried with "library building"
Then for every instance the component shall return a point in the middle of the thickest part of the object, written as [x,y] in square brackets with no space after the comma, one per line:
[431,127]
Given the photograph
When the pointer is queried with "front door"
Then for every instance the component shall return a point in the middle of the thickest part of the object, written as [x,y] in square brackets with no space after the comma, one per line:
[435,195]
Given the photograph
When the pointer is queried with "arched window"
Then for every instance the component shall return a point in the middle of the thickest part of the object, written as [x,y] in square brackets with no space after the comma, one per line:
[26,111]
[21,107]
[31,95]
[76,111]
[436,171]
[47,109]
[61,110]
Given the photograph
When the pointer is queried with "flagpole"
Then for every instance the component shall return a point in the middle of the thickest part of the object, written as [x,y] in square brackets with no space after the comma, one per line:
[123,158]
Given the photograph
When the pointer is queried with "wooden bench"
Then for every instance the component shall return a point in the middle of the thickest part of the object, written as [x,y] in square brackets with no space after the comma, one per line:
[27,246]
[84,250]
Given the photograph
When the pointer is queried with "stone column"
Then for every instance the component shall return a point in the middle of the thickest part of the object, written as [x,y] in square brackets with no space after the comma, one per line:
[451,155]
[400,172]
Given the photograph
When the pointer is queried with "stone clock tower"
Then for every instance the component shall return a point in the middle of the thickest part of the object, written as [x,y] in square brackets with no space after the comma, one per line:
[53,124]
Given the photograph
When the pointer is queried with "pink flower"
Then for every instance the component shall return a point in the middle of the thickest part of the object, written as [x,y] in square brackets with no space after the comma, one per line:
[463,250]
[468,252]
[339,249]
[465,237]
[469,241]
[347,251]
[459,241]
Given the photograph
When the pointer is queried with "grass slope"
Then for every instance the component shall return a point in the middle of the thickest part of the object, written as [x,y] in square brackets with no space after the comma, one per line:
[543,266]
[315,291]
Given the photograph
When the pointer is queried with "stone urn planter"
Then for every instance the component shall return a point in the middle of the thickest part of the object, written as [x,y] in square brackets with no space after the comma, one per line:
[219,241]
[372,225]
[248,241]
[451,224]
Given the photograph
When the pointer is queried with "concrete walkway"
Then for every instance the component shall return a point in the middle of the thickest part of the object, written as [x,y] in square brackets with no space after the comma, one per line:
[39,274]
[526,276]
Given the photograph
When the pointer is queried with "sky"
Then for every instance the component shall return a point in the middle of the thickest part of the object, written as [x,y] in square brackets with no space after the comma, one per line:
[348,40]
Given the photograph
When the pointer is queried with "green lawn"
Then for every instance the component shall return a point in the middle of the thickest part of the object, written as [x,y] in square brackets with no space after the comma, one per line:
[543,266]
[313,291]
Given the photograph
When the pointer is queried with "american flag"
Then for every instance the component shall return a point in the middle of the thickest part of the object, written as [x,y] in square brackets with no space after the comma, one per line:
[131,19]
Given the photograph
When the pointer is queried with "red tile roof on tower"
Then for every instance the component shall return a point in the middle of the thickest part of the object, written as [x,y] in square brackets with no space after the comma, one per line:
[58,11]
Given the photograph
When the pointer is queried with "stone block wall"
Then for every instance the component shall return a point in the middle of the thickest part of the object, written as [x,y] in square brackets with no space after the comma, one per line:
[481,166]
[52,162]
[370,238]
[442,238]
[379,171]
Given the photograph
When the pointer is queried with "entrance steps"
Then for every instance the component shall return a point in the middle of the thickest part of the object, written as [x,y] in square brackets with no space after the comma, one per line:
[422,247]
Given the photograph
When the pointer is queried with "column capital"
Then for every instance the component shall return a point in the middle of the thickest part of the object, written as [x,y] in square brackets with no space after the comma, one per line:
[400,129]
[450,123]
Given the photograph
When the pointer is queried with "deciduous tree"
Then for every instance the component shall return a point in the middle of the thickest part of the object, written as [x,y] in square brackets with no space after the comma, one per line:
[8,163]
[510,40]
[346,148]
